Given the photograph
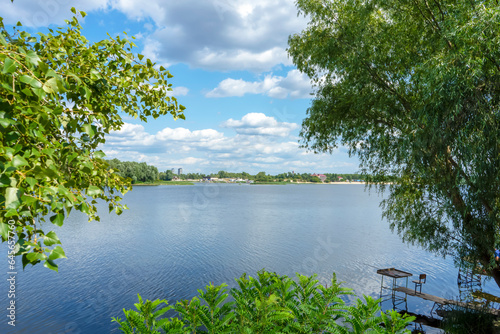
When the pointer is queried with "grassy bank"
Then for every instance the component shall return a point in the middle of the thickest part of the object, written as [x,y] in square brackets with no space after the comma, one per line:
[273,183]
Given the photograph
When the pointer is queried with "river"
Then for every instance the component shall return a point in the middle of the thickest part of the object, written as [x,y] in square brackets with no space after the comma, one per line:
[176,239]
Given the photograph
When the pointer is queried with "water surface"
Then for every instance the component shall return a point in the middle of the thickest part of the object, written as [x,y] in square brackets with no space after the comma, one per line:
[176,239]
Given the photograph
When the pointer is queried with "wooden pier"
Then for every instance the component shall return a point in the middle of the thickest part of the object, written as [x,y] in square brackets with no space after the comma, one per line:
[398,299]
[443,301]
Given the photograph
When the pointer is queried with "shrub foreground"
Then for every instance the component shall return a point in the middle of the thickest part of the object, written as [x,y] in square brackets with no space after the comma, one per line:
[269,303]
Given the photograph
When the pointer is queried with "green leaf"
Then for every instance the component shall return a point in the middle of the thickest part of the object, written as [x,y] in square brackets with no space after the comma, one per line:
[74,76]
[31,181]
[50,73]
[89,129]
[11,213]
[9,66]
[51,239]
[84,208]
[5,122]
[57,219]
[25,260]
[12,199]
[99,154]
[33,57]
[94,74]
[50,86]
[63,191]
[51,265]
[2,39]
[94,191]
[35,256]
[86,92]
[30,81]
[5,181]
[18,161]
[28,199]
[38,92]
[4,230]
[57,253]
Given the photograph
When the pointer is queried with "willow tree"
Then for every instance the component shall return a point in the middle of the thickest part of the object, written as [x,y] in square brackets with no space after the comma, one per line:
[59,96]
[412,88]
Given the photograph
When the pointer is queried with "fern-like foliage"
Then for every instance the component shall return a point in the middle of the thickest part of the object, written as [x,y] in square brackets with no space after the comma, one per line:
[268,303]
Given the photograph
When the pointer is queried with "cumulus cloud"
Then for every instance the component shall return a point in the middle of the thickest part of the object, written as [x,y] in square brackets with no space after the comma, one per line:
[182,134]
[295,85]
[132,135]
[260,143]
[44,13]
[210,34]
[178,91]
[188,161]
[260,124]
[217,34]
[260,140]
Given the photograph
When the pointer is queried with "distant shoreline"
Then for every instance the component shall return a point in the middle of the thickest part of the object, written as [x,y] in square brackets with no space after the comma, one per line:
[190,183]
[166,183]
[297,183]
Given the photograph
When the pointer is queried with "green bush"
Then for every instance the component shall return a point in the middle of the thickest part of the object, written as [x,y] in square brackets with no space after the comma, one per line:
[267,304]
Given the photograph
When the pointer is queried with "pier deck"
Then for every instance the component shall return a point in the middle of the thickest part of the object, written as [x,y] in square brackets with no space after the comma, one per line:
[440,300]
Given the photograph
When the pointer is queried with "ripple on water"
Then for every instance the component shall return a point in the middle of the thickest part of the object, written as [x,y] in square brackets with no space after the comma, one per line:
[175,240]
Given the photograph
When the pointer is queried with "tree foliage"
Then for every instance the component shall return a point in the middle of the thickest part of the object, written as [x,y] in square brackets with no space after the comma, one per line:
[59,96]
[168,175]
[136,171]
[268,303]
[412,88]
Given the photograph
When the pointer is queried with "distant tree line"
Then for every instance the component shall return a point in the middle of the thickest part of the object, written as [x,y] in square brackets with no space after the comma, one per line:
[263,177]
[142,172]
[308,177]
[137,171]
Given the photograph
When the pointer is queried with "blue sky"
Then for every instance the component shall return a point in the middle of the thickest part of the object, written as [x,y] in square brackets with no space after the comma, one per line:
[245,100]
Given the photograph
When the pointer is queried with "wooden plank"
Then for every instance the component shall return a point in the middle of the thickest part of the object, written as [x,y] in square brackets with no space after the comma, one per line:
[394,273]
[422,295]
[440,300]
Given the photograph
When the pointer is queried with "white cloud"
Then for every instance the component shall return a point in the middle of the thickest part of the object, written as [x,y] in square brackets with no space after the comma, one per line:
[128,129]
[188,161]
[218,34]
[295,85]
[210,34]
[269,159]
[44,13]
[131,135]
[182,134]
[261,143]
[260,124]
[241,59]
[178,91]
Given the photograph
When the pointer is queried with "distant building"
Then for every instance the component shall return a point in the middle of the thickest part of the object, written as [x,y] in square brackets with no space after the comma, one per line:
[179,171]
[322,177]
[173,170]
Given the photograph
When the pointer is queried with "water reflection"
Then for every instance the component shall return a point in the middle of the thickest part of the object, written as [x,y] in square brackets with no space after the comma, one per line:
[174,240]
